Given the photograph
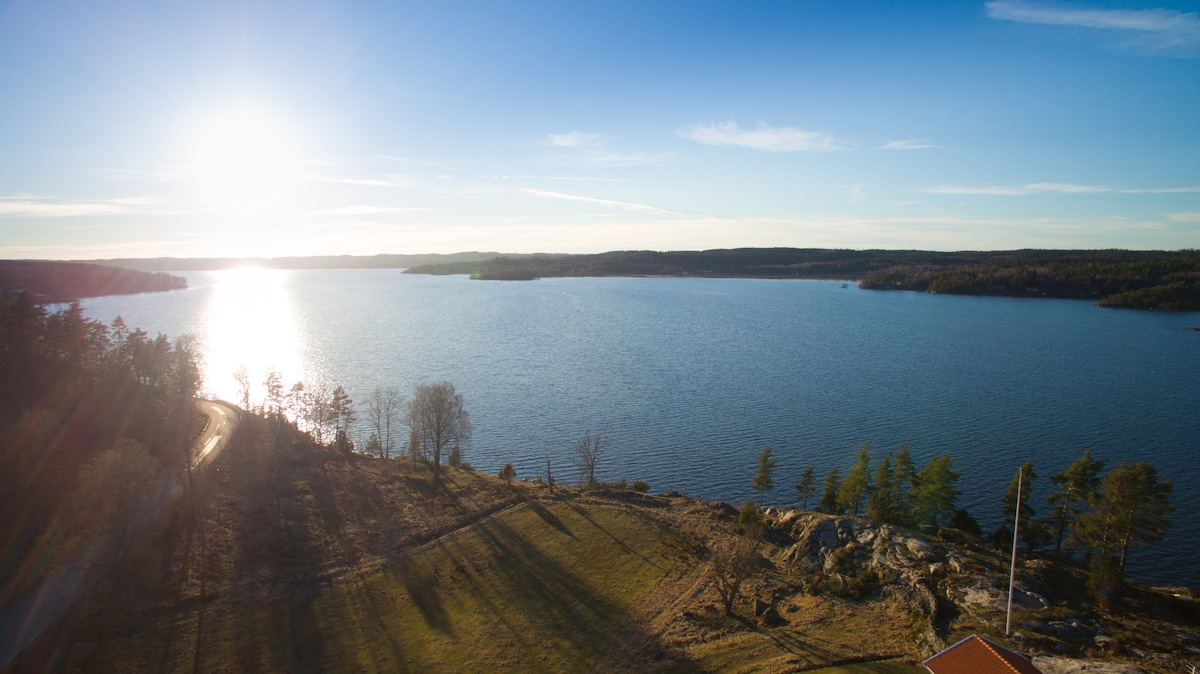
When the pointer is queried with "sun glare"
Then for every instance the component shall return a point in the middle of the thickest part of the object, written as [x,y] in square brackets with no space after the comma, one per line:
[244,163]
[250,323]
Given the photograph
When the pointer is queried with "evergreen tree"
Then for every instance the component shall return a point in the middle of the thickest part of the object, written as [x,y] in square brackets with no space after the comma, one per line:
[1077,485]
[934,493]
[762,479]
[1132,508]
[857,483]
[1032,531]
[806,487]
[883,505]
[904,476]
[829,493]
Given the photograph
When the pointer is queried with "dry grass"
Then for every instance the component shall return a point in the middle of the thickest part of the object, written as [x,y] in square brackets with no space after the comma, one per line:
[310,560]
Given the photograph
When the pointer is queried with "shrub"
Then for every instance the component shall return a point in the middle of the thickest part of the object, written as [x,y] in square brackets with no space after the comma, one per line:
[640,487]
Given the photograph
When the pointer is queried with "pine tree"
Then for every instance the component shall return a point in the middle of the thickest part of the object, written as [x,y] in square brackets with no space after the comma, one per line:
[883,505]
[934,493]
[762,480]
[1077,485]
[806,487]
[829,493]
[904,476]
[857,483]
[1132,508]
[1032,531]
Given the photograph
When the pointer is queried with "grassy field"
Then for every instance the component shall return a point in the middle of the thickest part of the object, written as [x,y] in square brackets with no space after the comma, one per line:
[307,560]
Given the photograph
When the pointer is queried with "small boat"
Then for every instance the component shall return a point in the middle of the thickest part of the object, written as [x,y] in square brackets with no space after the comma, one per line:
[845,285]
[1194,328]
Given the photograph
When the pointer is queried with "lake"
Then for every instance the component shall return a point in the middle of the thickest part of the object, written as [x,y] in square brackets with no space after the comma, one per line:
[690,378]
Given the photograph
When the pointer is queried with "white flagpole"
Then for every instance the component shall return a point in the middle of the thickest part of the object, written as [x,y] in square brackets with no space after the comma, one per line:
[1012,572]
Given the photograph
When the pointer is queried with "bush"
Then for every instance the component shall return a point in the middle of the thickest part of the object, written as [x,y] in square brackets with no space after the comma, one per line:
[749,521]
[962,520]
[640,487]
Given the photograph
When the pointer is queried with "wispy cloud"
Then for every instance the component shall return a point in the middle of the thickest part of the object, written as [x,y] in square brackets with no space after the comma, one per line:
[604,202]
[1017,190]
[165,174]
[363,210]
[762,137]
[365,182]
[907,144]
[50,208]
[593,148]
[1050,188]
[1184,217]
[1159,30]
[587,179]
[575,139]
[1164,190]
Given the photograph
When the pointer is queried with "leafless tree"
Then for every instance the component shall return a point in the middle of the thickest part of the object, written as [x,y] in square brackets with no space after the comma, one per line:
[732,562]
[588,451]
[438,420]
[242,377]
[383,413]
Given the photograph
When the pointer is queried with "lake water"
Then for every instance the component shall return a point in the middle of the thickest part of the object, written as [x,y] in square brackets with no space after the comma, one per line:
[690,378]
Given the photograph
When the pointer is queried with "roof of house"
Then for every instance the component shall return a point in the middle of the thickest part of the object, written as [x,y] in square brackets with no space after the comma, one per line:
[976,655]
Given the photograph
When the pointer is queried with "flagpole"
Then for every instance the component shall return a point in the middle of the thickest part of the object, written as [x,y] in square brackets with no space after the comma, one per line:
[1012,572]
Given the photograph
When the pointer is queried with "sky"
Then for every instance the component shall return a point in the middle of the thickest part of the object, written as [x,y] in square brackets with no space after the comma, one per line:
[261,128]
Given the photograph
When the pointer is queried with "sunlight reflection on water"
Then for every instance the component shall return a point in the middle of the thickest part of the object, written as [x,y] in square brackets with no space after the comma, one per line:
[250,321]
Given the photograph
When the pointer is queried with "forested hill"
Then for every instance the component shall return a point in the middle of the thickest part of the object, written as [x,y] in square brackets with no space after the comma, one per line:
[1119,278]
[50,282]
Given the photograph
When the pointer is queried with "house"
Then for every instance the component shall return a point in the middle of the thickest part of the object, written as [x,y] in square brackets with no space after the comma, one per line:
[976,655]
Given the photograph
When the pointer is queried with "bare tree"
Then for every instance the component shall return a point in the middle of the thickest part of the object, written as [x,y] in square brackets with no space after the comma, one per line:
[588,451]
[242,377]
[438,420]
[732,562]
[383,414]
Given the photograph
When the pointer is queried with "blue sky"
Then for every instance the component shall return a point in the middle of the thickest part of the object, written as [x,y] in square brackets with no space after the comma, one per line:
[271,128]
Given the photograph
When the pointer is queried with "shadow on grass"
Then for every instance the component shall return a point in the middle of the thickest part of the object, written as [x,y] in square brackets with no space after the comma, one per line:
[540,602]
[550,518]
[422,588]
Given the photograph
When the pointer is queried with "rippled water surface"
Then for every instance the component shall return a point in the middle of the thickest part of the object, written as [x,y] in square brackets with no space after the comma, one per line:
[690,378]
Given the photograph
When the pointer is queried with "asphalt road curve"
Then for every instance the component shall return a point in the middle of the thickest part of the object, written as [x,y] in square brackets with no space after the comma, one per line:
[222,420]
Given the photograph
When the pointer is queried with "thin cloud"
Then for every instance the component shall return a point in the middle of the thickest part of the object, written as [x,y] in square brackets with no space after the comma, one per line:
[907,144]
[1056,188]
[1185,217]
[763,137]
[366,182]
[46,208]
[1159,30]
[604,202]
[1164,190]
[593,148]
[1017,190]
[575,139]
[363,210]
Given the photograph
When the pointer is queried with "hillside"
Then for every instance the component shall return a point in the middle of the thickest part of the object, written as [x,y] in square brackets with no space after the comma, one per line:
[1166,280]
[50,281]
[311,559]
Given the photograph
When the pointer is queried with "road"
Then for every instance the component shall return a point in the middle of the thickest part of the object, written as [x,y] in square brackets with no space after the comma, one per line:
[222,420]
[21,623]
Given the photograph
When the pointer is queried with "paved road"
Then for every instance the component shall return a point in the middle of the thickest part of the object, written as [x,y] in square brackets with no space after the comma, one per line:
[21,623]
[222,420]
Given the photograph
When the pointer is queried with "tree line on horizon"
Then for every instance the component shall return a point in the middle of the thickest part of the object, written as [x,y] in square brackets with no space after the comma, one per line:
[1167,280]
[52,281]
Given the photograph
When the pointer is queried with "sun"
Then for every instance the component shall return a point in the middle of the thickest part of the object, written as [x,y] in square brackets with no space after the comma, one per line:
[243,163]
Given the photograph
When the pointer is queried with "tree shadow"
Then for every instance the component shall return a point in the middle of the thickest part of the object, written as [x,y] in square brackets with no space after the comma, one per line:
[422,588]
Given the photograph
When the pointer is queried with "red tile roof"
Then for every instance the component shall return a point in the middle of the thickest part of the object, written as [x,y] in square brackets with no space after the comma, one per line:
[976,655]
